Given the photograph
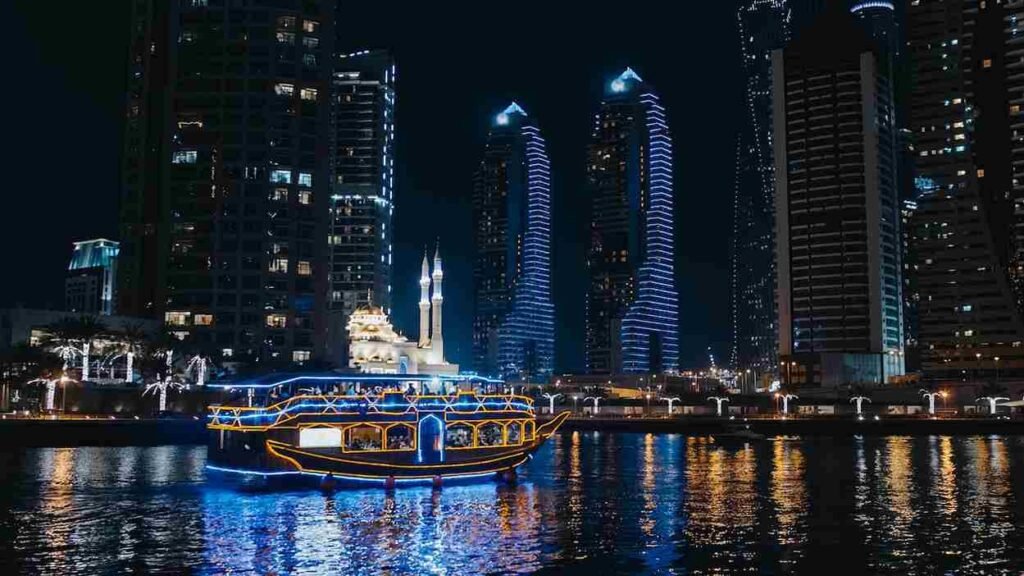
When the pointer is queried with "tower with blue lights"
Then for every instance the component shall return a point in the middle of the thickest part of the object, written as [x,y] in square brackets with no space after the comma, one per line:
[91,283]
[764,25]
[513,321]
[632,304]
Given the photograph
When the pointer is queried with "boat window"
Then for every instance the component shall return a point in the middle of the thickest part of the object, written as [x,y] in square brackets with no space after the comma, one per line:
[530,432]
[491,434]
[400,438]
[319,438]
[361,438]
[514,432]
[459,436]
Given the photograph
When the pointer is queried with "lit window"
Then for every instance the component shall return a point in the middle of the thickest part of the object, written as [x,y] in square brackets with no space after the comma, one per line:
[986,63]
[300,355]
[967,307]
[968,333]
[304,268]
[309,60]
[279,265]
[277,320]
[305,179]
[185,157]
[310,26]
[1015,109]
[981,172]
[310,42]
[279,194]
[281,176]
[308,94]
[176,318]
[286,22]
[284,89]
[203,320]
[305,197]
[318,437]
[286,37]
[227,352]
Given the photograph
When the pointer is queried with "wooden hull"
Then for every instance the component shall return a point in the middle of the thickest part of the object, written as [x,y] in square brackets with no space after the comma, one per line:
[268,455]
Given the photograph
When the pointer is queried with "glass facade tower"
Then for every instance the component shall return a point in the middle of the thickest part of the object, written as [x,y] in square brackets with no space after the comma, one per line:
[362,199]
[632,305]
[513,322]
[763,26]
[225,179]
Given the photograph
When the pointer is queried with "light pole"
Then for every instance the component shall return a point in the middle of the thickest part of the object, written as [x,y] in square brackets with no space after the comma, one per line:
[551,401]
[785,401]
[931,400]
[944,394]
[859,400]
[595,399]
[997,370]
[648,403]
[670,401]
[575,397]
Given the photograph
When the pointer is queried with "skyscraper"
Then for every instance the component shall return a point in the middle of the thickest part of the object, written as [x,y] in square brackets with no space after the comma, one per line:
[965,118]
[837,209]
[513,321]
[91,283]
[632,304]
[763,27]
[363,175]
[225,178]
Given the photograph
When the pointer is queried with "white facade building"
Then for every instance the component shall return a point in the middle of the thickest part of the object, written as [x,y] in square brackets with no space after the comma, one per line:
[375,347]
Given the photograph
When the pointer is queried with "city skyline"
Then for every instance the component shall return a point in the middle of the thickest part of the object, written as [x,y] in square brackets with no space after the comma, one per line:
[707,307]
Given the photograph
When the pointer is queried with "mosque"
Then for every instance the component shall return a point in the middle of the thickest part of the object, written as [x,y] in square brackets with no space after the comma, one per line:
[375,347]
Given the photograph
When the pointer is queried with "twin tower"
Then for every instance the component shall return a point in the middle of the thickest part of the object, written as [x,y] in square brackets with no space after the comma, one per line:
[430,310]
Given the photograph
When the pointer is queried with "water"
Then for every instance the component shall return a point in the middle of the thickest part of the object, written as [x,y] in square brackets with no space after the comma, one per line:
[588,503]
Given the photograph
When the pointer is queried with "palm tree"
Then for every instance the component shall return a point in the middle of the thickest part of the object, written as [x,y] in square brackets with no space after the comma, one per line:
[992,393]
[200,360]
[858,394]
[133,338]
[79,333]
[62,340]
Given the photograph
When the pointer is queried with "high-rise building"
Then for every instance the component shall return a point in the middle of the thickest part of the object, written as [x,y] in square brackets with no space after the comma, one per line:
[763,27]
[225,178]
[514,318]
[966,122]
[90,286]
[363,179]
[632,305]
[837,209]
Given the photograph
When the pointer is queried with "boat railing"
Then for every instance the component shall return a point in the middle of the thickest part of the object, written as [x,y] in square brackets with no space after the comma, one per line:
[231,416]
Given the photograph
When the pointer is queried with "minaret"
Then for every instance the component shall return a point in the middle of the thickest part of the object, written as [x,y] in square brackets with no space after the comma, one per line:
[425,302]
[437,341]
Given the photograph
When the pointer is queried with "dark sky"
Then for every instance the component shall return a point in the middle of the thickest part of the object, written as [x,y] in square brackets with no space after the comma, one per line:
[458,66]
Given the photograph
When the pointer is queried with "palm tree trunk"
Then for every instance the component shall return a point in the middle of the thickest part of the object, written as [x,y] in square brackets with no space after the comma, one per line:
[51,390]
[128,376]
[85,361]
[163,398]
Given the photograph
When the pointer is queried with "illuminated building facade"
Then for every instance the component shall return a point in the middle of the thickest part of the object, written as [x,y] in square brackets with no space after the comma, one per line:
[375,346]
[763,26]
[225,181]
[632,305]
[363,169]
[90,286]
[513,322]
[837,209]
[966,119]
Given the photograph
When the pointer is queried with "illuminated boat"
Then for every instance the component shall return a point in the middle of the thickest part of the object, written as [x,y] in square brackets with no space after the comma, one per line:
[379,429]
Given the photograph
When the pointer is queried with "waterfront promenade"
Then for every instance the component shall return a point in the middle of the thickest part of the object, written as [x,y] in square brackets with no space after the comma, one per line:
[130,431]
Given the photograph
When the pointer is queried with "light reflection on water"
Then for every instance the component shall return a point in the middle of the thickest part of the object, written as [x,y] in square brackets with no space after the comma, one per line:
[588,503]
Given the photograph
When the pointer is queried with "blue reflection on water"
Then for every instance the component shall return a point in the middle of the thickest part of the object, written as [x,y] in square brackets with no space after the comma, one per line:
[589,503]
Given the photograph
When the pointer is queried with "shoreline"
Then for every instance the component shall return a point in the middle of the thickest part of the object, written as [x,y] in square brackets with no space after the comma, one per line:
[43,433]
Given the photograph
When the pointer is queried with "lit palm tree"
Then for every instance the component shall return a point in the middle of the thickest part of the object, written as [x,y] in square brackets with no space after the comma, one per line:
[133,338]
[62,339]
[858,395]
[160,386]
[718,400]
[991,393]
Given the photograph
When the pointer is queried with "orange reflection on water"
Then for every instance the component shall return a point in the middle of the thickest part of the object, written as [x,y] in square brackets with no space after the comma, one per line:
[789,491]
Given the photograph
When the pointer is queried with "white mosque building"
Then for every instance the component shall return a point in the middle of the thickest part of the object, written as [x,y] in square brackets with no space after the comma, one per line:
[375,347]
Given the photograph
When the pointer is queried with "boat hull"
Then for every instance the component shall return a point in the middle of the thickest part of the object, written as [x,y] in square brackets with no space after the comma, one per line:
[260,457]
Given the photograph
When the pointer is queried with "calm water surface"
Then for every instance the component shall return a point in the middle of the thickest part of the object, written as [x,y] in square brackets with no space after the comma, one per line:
[588,503]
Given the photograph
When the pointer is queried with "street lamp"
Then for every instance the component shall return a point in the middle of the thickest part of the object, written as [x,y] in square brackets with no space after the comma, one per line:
[551,401]
[575,397]
[648,403]
[595,399]
[670,401]
[997,370]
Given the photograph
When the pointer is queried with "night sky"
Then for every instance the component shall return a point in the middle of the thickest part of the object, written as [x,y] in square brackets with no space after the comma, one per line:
[457,67]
